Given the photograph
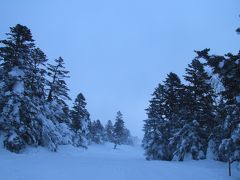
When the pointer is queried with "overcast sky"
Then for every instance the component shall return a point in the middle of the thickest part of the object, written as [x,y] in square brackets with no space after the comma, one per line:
[119,50]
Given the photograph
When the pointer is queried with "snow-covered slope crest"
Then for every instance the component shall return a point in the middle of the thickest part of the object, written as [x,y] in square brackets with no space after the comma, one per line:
[102,162]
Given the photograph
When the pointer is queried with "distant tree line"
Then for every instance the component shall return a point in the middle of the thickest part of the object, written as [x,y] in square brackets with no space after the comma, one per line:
[199,116]
[115,133]
[33,95]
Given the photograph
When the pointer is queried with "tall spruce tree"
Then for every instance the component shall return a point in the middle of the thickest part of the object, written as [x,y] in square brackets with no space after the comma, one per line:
[97,131]
[58,92]
[57,86]
[200,100]
[174,110]
[80,119]
[118,130]
[156,128]
[227,68]
[219,132]
[36,73]
[57,110]
[19,114]
[109,131]
[90,132]
[27,115]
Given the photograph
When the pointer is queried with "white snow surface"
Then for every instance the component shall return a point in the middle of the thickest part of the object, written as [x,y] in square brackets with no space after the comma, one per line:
[16,72]
[238,99]
[19,87]
[102,162]
[221,64]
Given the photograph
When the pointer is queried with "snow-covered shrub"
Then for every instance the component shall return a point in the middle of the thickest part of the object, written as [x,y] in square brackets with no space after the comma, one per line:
[13,142]
[66,134]
[79,140]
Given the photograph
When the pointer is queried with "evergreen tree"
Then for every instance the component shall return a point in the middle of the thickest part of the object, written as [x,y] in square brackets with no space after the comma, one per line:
[36,74]
[80,119]
[90,132]
[28,116]
[200,102]
[156,128]
[57,109]
[19,114]
[97,132]
[173,90]
[174,109]
[57,86]
[25,117]
[109,131]
[227,68]
[118,130]
[219,132]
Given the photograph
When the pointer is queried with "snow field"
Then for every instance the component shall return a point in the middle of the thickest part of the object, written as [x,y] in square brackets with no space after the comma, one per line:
[102,162]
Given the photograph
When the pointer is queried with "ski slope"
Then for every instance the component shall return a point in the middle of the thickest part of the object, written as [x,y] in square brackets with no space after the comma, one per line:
[102,162]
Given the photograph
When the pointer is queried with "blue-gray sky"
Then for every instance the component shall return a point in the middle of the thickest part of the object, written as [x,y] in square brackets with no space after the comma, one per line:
[119,50]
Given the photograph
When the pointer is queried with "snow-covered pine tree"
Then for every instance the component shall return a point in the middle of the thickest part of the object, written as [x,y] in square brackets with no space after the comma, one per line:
[58,110]
[219,132]
[36,74]
[156,128]
[1,88]
[97,131]
[199,99]
[34,96]
[118,130]
[109,131]
[57,86]
[80,119]
[173,90]
[174,109]
[25,118]
[90,132]
[128,139]
[19,112]
[227,68]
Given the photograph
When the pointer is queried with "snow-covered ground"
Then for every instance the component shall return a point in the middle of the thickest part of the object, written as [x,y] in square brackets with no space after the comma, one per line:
[102,162]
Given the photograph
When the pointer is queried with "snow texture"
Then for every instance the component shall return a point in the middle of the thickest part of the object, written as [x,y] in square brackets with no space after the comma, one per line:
[102,162]
[238,99]
[16,72]
[221,64]
[19,87]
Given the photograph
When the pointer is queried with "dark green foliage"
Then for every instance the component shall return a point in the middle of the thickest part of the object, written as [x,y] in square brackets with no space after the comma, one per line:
[20,108]
[97,132]
[109,131]
[118,130]
[156,128]
[173,108]
[57,86]
[201,105]
[189,119]
[180,117]
[16,48]
[79,114]
[13,143]
[80,119]
[226,135]
[25,114]
[36,74]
